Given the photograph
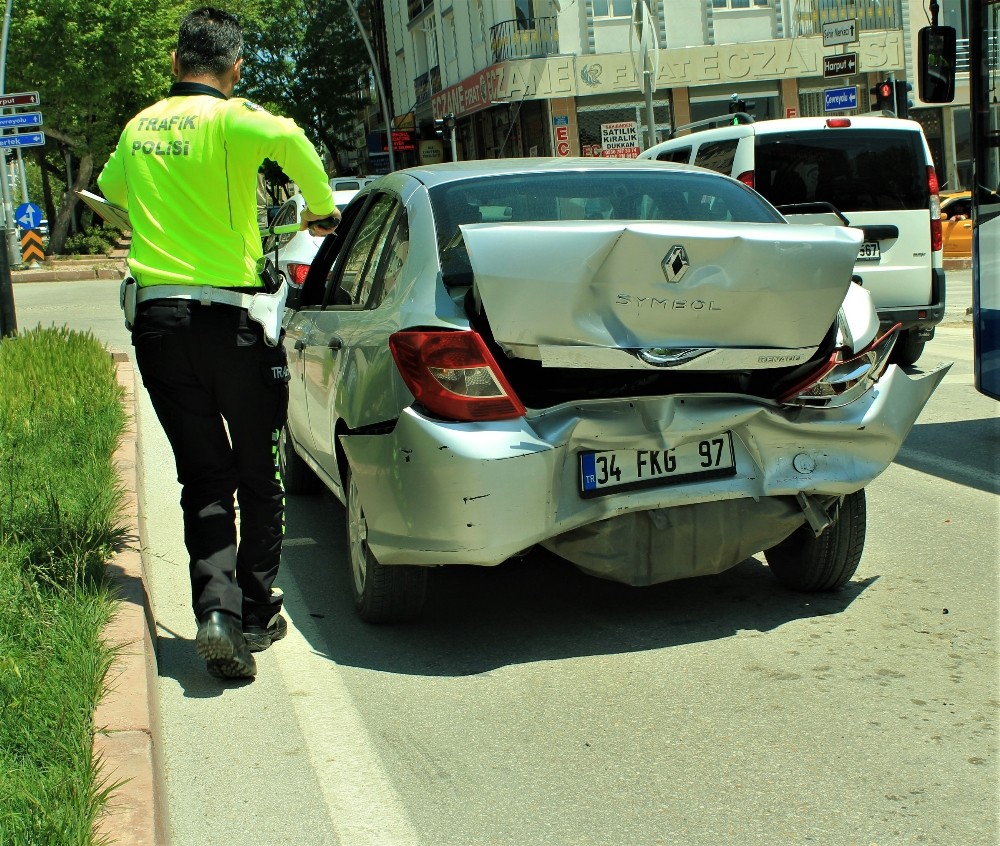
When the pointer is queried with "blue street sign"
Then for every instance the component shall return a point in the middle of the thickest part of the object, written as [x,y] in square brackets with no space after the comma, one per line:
[25,139]
[25,119]
[839,99]
[28,216]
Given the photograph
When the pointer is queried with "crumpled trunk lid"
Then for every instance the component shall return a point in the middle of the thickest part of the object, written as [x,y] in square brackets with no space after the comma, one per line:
[654,285]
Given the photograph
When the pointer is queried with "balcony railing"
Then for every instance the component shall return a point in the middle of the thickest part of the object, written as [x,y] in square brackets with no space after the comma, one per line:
[809,16]
[530,38]
[426,84]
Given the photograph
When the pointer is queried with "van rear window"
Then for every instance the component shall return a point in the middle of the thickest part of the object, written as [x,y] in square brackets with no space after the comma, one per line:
[854,169]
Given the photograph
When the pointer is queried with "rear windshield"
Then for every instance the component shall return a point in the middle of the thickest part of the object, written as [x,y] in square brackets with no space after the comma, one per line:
[853,169]
[591,195]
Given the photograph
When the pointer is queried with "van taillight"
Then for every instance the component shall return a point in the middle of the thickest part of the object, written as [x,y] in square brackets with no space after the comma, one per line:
[838,123]
[746,178]
[937,236]
[454,375]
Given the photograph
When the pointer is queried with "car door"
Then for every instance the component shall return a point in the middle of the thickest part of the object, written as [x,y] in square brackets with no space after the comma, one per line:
[348,335]
[300,329]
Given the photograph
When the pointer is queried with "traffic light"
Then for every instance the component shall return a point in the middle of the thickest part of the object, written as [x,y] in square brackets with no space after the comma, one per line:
[737,105]
[883,94]
[903,101]
[439,127]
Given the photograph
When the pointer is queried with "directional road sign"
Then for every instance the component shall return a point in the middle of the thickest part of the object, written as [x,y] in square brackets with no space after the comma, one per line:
[23,119]
[840,99]
[25,139]
[840,32]
[25,98]
[844,64]
[28,216]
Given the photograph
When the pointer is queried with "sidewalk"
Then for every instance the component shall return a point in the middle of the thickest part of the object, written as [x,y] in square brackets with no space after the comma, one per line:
[73,268]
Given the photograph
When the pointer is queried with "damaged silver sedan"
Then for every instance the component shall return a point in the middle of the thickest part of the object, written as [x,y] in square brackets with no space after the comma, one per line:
[640,367]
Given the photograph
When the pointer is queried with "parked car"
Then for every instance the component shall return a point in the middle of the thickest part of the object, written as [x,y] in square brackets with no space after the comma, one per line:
[875,173]
[293,252]
[956,223]
[641,367]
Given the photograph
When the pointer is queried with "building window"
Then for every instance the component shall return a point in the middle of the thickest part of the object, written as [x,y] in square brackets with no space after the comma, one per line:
[612,9]
[739,4]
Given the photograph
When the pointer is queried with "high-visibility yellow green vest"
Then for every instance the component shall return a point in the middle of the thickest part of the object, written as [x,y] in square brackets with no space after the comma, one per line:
[186,170]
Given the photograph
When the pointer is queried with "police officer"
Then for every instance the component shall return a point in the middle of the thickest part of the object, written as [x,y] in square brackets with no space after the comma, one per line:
[186,170]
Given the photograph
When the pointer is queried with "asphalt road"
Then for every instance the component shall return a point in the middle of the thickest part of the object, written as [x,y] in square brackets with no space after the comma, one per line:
[534,705]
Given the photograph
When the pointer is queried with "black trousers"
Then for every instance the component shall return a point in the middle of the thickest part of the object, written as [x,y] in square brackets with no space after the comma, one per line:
[221,395]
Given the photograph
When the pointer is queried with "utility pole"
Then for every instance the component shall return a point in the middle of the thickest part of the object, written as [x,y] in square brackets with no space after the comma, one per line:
[645,59]
[10,230]
[8,316]
[378,81]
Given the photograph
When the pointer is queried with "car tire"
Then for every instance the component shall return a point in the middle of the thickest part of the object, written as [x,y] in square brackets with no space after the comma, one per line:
[908,348]
[808,563]
[382,594]
[296,476]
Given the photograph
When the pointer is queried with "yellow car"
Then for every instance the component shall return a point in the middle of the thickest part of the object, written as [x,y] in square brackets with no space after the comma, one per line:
[956,223]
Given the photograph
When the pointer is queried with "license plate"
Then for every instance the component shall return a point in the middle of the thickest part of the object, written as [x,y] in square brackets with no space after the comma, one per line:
[869,251]
[626,469]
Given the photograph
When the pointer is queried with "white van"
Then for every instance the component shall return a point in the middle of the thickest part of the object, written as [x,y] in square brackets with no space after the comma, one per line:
[870,172]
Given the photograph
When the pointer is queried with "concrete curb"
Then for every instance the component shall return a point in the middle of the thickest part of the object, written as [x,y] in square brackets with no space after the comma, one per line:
[72,271]
[126,721]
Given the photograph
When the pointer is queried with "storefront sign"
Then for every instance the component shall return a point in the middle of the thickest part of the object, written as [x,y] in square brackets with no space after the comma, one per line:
[561,124]
[403,142]
[529,79]
[610,73]
[431,152]
[620,140]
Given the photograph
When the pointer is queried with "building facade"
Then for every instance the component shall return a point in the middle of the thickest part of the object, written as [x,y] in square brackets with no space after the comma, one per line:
[569,78]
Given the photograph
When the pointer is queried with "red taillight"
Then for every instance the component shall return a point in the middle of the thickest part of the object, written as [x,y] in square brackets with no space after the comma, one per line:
[838,123]
[453,375]
[297,273]
[746,178]
[937,236]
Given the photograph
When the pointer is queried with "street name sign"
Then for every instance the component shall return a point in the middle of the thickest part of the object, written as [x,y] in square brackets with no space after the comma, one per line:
[25,139]
[839,99]
[846,64]
[840,32]
[24,98]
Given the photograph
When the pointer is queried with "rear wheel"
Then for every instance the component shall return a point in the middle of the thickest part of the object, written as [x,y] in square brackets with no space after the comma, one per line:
[381,594]
[809,563]
[296,475]
[908,348]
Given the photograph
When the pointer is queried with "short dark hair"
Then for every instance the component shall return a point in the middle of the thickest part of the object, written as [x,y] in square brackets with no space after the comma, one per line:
[210,41]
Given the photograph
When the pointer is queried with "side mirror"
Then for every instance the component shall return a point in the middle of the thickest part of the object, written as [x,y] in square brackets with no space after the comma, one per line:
[936,64]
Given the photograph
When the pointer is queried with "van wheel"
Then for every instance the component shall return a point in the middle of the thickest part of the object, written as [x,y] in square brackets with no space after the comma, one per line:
[908,348]
[296,476]
[381,594]
[808,563]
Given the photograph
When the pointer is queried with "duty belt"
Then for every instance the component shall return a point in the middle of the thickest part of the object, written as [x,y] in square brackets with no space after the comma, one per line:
[204,294]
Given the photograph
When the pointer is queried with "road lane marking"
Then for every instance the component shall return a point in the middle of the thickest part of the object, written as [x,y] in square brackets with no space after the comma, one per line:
[363,807]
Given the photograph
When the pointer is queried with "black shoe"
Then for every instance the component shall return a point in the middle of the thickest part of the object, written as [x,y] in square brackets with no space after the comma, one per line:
[220,644]
[258,637]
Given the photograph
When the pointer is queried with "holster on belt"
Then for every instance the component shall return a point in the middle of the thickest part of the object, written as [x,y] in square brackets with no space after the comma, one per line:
[127,298]
[269,310]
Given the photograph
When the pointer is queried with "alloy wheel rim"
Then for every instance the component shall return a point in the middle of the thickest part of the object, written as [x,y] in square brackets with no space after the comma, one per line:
[357,533]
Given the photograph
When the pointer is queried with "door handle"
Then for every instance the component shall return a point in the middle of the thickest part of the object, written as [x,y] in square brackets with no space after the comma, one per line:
[335,343]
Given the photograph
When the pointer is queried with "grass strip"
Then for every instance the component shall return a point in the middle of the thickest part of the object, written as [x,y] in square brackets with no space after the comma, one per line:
[61,418]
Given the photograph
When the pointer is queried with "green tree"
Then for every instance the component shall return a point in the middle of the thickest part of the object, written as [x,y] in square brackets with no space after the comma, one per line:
[94,65]
[305,61]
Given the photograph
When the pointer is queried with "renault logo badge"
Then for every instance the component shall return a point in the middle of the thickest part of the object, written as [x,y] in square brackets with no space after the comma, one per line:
[675,264]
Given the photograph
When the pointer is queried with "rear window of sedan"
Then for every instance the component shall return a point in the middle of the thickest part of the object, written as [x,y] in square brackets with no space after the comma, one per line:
[594,195]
